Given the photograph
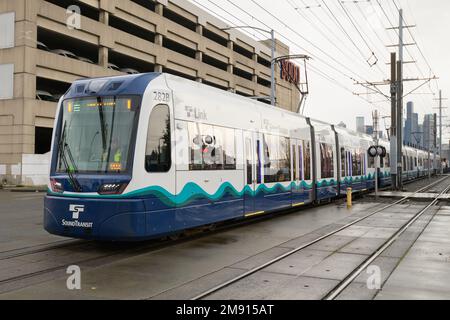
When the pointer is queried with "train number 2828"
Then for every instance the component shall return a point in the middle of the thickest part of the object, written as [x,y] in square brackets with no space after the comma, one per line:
[161,96]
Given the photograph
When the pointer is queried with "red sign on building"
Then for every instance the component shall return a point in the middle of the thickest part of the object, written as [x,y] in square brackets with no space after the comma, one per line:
[290,72]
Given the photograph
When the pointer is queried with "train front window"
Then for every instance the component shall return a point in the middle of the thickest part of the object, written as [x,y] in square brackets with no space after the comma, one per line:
[96,135]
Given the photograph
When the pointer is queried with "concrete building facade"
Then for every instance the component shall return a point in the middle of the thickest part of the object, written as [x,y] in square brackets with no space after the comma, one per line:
[429,132]
[407,138]
[111,37]
[360,125]
[412,134]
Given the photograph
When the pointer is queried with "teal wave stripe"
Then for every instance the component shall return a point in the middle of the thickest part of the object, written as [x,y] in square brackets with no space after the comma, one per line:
[193,191]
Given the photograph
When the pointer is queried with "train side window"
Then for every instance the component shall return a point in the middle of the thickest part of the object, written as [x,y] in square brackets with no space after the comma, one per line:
[277,163]
[248,157]
[326,156]
[294,162]
[158,150]
[211,147]
[356,164]
[307,160]
[300,162]
[343,164]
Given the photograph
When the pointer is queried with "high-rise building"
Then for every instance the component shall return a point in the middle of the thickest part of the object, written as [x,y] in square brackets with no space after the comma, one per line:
[407,138]
[415,129]
[418,136]
[429,131]
[360,124]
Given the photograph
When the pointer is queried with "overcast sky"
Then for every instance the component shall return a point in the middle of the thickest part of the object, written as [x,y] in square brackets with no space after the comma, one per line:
[341,36]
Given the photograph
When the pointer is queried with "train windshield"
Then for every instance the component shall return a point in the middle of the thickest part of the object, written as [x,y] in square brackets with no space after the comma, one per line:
[96,135]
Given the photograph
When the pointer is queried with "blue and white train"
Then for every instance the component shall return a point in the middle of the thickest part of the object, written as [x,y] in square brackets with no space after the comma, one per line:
[143,156]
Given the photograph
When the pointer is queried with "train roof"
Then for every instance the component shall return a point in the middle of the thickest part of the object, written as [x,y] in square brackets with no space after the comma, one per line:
[135,84]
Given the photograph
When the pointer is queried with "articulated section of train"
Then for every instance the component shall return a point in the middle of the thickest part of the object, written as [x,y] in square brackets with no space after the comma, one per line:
[143,156]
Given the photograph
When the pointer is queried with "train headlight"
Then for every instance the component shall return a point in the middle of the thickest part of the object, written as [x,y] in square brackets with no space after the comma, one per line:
[112,188]
[56,186]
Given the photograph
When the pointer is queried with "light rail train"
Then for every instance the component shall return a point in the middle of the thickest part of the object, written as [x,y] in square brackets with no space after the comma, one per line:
[143,156]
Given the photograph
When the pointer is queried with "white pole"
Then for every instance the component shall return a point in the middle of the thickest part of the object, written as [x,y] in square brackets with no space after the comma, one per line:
[272,94]
[377,158]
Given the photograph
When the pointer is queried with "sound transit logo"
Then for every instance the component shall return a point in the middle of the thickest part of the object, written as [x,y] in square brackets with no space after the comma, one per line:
[76,210]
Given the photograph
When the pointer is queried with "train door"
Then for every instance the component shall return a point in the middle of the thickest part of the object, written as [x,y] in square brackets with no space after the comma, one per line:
[344,180]
[252,156]
[297,160]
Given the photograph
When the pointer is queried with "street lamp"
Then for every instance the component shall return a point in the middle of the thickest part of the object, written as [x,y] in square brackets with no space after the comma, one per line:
[272,64]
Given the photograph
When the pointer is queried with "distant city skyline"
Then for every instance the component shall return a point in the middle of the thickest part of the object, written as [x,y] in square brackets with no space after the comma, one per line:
[422,134]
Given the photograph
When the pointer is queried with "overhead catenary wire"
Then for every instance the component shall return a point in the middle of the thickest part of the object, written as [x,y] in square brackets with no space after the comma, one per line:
[426,103]
[322,51]
[328,29]
[234,25]
[381,41]
[228,20]
[417,44]
[358,30]
[295,43]
[316,26]
[334,81]
[339,24]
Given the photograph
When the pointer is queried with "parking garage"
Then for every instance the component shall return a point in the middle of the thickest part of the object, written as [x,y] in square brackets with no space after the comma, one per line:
[125,36]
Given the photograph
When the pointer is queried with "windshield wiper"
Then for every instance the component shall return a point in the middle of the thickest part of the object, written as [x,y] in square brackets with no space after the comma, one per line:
[63,147]
[102,123]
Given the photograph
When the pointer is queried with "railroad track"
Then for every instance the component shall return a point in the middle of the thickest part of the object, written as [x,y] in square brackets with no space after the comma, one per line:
[110,251]
[444,182]
[24,251]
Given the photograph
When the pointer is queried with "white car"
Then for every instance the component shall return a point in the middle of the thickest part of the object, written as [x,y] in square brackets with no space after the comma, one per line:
[86,60]
[42,46]
[65,53]
[112,66]
[129,71]
[45,96]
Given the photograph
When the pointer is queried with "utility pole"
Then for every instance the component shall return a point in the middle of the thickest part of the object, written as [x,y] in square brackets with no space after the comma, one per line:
[400,104]
[399,125]
[273,100]
[393,141]
[441,171]
[397,95]
[440,99]
[434,142]
[429,148]
[377,158]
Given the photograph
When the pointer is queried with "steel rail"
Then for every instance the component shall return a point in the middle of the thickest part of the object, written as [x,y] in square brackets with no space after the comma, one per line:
[281,257]
[355,273]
